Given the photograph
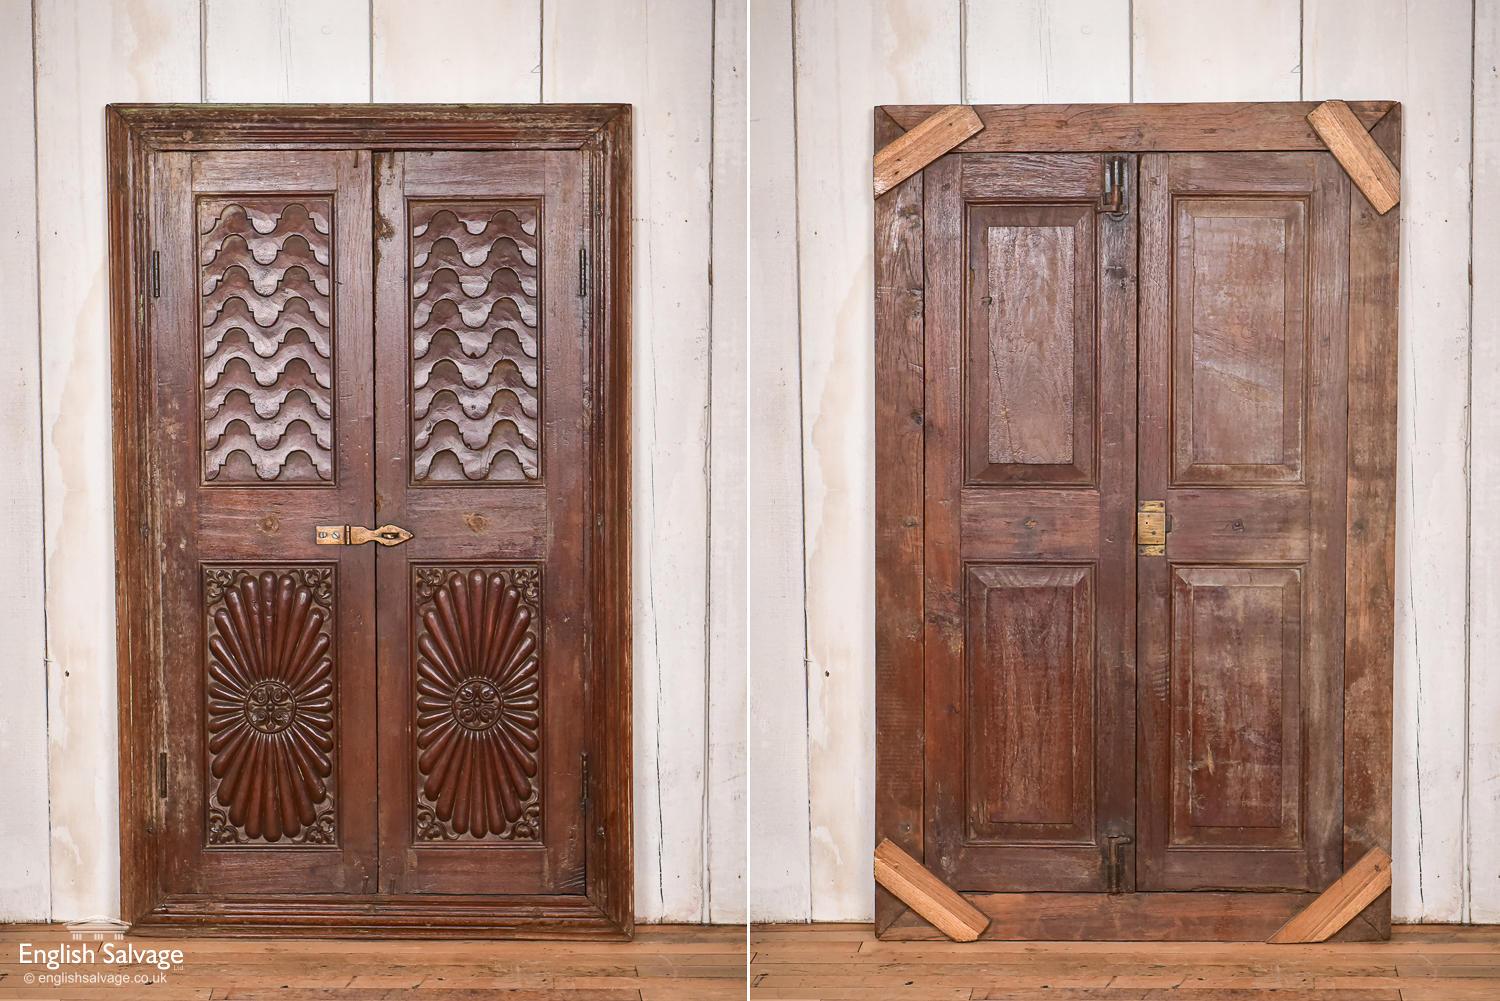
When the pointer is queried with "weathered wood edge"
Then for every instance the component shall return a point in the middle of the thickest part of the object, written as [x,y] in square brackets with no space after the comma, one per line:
[936,902]
[135,130]
[1141,128]
[1370,524]
[1327,915]
[911,151]
[899,520]
[1362,159]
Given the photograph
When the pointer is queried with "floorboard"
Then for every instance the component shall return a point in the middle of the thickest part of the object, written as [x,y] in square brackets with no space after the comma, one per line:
[664,963]
[838,962]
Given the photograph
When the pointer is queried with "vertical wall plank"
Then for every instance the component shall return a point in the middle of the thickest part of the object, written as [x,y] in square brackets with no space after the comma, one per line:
[24,891]
[87,55]
[458,50]
[725,824]
[269,51]
[1245,51]
[849,57]
[1484,523]
[656,55]
[1419,53]
[779,865]
[1034,51]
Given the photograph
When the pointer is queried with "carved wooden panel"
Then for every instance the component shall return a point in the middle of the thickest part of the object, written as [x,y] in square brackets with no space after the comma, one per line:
[475,342]
[1240,277]
[477,702]
[1236,720]
[270,705]
[1030,695]
[267,321]
[1030,379]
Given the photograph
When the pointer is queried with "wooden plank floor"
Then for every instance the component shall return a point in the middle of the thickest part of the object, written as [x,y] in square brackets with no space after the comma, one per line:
[838,962]
[664,963]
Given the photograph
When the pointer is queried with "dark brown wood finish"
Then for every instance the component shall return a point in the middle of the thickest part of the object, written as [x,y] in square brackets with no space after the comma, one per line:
[1242,410]
[1249,634]
[284,195]
[1030,379]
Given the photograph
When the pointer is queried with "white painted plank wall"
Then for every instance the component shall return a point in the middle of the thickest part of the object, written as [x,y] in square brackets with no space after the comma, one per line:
[725,827]
[86,56]
[849,58]
[1484,516]
[662,58]
[653,55]
[780,867]
[24,889]
[276,51]
[1447,790]
[1419,52]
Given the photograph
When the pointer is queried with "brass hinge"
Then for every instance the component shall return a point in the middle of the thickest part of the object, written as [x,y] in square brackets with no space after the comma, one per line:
[155,275]
[355,535]
[583,272]
[1151,528]
[1117,843]
[161,775]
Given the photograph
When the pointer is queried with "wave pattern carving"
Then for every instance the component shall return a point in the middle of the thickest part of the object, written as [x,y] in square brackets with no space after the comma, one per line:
[266,265]
[476,381]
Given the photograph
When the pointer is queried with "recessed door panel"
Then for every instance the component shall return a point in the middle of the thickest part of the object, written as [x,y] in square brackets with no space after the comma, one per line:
[1030,649]
[1030,324]
[1239,339]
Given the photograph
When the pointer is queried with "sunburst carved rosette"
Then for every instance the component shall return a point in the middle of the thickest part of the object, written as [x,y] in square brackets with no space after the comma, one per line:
[270,706]
[478,702]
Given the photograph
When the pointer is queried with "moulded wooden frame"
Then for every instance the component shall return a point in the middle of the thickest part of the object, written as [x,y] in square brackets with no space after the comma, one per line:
[603,133]
[1369,622]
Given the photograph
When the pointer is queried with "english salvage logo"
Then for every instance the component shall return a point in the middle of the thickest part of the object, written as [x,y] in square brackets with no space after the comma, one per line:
[110,949]
[96,929]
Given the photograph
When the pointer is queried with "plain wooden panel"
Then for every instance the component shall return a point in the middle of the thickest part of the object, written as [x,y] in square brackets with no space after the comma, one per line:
[851,57]
[24,889]
[1236,724]
[1023,51]
[1420,54]
[728,400]
[265,51]
[1031,380]
[86,56]
[456,50]
[1484,482]
[658,57]
[1029,703]
[779,842]
[1240,338]
[1249,51]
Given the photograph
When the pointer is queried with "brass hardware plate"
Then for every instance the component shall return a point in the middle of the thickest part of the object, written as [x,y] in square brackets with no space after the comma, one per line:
[356,535]
[1151,528]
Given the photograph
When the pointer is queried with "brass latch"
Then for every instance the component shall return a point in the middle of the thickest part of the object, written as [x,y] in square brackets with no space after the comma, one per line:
[1151,528]
[1116,862]
[355,535]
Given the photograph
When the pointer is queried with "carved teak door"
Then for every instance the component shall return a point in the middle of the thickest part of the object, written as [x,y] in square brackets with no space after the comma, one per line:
[1117,347]
[343,340]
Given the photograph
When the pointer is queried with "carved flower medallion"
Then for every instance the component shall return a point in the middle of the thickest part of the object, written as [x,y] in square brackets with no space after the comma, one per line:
[478,703]
[270,711]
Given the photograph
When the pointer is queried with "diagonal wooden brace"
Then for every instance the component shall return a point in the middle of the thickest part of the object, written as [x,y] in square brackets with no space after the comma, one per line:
[1340,903]
[1365,162]
[929,896]
[928,139]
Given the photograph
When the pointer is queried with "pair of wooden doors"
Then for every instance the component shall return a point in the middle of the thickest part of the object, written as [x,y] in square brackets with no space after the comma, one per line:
[374,379]
[1126,456]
